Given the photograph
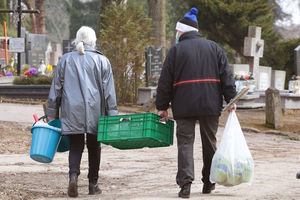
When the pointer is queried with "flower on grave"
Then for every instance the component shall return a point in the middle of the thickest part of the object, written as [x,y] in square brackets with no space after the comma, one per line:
[32,71]
[27,73]
[49,68]
[8,74]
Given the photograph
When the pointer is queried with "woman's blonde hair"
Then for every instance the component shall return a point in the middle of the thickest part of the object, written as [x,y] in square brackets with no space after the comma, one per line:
[85,36]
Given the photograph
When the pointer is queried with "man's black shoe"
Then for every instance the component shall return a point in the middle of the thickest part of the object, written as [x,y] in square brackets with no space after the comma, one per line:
[185,191]
[207,188]
[94,189]
[73,188]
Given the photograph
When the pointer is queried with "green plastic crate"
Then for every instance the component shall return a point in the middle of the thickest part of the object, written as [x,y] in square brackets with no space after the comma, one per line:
[135,131]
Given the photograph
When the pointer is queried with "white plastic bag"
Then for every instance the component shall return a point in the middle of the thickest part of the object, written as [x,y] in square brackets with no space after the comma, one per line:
[232,163]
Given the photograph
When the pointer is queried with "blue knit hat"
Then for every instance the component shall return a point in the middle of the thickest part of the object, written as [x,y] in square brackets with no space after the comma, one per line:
[188,22]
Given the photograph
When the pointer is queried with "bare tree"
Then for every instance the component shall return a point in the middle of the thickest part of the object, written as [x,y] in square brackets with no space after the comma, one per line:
[31,5]
[40,22]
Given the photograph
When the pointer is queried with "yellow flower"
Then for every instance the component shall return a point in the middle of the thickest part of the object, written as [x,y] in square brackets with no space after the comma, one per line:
[49,68]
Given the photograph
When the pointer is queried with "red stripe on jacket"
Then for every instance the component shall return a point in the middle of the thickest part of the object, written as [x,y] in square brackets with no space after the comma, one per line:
[195,81]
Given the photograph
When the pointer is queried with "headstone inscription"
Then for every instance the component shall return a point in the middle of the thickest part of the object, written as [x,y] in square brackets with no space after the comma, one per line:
[153,65]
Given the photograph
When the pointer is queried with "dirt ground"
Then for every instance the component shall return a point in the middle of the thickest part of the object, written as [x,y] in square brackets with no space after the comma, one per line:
[150,173]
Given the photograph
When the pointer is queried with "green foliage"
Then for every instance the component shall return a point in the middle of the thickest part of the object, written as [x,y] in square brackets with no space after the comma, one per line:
[124,35]
[3,16]
[175,11]
[33,80]
[227,22]
[83,14]
[285,56]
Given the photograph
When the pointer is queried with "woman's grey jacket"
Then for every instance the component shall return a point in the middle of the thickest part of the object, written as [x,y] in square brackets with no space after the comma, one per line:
[83,88]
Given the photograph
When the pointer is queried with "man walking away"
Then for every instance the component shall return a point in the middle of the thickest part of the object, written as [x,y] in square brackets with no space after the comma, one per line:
[195,78]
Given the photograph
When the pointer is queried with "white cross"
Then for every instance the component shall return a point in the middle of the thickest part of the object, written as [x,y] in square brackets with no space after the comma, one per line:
[254,48]
[69,47]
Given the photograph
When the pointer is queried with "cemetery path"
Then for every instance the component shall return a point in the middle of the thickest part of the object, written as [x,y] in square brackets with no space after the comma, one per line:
[145,173]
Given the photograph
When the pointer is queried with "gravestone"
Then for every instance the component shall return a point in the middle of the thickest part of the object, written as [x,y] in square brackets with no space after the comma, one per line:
[264,80]
[153,65]
[254,48]
[37,50]
[68,46]
[278,79]
[274,116]
[241,69]
[17,45]
[297,60]
[146,95]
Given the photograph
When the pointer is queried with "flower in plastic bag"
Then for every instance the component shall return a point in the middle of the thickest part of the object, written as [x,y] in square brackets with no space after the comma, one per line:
[8,74]
[232,163]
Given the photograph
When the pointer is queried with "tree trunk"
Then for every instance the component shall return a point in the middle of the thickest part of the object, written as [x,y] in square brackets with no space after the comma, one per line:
[40,22]
[31,5]
[157,10]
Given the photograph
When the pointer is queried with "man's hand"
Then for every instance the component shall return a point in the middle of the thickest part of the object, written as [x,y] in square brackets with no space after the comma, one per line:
[232,108]
[164,114]
[51,118]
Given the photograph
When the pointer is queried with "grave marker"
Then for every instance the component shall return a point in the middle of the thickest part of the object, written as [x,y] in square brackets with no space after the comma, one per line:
[37,49]
[153,65]
[67,46]
[278,79]
[17,45]
[265,74]
[254,48]
[274,116]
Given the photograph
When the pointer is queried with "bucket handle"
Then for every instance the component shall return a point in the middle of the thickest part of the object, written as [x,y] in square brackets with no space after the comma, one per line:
[36,119]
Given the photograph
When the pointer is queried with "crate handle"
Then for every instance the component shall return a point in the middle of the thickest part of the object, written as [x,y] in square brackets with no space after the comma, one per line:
[125,119]
[163,122]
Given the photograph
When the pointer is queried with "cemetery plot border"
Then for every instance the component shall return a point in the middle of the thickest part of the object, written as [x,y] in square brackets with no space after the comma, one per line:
[25,91]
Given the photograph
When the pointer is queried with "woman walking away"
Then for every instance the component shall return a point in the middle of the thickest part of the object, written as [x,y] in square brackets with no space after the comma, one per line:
[83,89]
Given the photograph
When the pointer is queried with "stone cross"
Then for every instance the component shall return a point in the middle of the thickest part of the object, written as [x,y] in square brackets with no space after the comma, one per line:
[254,48]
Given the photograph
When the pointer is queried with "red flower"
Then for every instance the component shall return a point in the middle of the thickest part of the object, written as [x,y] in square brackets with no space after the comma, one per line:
[27,74]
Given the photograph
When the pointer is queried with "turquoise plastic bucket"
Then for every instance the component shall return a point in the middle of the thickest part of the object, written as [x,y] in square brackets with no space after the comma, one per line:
[44,143]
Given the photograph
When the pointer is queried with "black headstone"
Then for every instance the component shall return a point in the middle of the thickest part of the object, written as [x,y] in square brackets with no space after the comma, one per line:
[153,65]
[297,60]
[68,46]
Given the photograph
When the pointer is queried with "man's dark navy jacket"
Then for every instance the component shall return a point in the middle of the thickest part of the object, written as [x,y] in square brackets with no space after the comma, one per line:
[195,78]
